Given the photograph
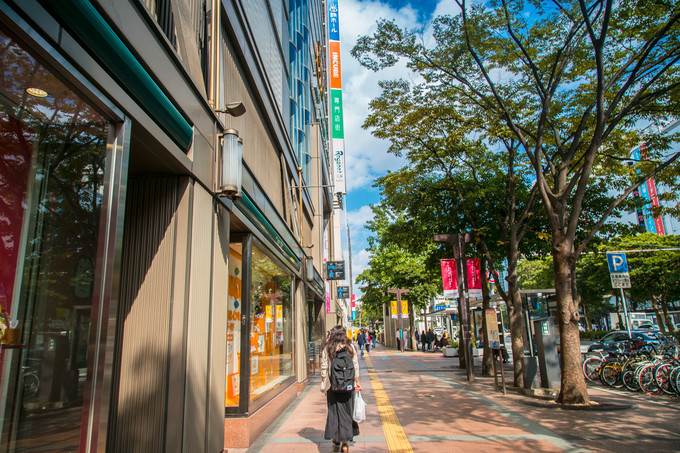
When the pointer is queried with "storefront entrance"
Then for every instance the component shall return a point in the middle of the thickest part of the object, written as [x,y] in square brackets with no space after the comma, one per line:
[53,156]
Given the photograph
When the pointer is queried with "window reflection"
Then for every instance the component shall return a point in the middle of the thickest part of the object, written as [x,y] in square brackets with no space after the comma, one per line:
[271,342]
[234,325]
[52,157]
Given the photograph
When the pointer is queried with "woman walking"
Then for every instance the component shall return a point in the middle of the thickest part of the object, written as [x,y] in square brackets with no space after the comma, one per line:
[340,426]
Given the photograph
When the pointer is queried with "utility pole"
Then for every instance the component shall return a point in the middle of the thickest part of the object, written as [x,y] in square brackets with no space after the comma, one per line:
[399,292]
[349,259]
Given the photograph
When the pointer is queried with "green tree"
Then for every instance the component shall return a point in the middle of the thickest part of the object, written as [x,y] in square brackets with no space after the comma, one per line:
[454,183]
[569,81]
[392,266]
[653,267]
[536,273]
[592,276]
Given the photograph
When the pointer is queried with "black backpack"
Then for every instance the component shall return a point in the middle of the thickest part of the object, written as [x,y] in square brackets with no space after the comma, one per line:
[342,372]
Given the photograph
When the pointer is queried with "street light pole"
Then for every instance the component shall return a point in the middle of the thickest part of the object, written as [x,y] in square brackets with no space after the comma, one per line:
[399,292]
[458,241]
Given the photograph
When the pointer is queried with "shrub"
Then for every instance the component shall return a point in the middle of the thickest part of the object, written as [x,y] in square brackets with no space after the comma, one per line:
[593,334]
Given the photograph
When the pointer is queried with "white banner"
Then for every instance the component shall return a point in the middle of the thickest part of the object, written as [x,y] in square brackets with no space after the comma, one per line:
[339,165]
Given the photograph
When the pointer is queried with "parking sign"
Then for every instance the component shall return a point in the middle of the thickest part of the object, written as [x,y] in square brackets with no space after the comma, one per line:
[617,263]
[618,270]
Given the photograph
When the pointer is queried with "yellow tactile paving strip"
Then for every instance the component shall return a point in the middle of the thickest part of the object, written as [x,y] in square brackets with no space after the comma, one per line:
[397,442]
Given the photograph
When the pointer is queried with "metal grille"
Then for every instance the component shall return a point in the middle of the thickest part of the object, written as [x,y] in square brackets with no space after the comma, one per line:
[161,10]
[138,408]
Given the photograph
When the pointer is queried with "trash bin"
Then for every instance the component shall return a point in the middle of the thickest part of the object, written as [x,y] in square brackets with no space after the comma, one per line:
[546,345]
[53,368]
[530,372]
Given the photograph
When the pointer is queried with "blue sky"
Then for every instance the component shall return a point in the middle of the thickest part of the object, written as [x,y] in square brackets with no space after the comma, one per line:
[366,156]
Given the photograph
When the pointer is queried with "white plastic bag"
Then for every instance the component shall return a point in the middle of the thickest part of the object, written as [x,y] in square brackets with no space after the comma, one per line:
[325,384]
[359,408]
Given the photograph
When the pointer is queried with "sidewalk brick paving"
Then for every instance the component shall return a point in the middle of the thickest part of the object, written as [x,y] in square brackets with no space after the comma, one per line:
[440,412]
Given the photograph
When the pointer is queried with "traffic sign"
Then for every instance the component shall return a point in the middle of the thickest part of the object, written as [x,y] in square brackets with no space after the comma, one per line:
[620,280]
[617,263]
[618,270]
[335,270]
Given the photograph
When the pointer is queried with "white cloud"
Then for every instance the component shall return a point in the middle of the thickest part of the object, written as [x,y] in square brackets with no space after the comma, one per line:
[357,219]
[366,156]
[359,264]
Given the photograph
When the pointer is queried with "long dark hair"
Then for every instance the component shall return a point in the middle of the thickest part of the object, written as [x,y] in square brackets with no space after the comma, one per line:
[338,336]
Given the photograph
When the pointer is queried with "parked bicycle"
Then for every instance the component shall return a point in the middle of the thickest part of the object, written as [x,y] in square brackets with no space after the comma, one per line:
[651,368]
[30,381]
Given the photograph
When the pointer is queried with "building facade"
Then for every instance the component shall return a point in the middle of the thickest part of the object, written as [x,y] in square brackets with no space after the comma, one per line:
[166,209]
[652,192]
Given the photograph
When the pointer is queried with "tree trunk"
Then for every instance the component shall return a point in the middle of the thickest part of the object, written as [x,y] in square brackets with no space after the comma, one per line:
[515,316]
[573,385]
[670,327]
[586,314]
[487,359]
[657,312]
[621,323]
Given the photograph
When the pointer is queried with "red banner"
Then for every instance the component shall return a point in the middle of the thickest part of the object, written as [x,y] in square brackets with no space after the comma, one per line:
[653,197]
[474,277]
[449,278]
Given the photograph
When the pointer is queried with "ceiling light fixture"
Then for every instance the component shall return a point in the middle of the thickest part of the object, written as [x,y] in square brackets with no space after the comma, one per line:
[37,92]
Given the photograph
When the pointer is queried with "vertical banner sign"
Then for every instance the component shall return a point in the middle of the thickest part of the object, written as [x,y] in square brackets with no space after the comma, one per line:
[337,127]
[449,278]
[474,277]
[404,308]
[654,199]
[647,192]
[354,307]
[393,309]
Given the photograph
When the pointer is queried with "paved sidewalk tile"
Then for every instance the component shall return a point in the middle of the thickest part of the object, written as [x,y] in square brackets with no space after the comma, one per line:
[439,411]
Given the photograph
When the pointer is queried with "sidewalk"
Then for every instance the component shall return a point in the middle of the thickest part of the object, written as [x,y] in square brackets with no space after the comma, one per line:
[420,401]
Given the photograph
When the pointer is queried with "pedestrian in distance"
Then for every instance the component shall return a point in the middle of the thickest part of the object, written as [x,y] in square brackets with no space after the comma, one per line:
[444,342]
[399,339]
[339,380]
[373,335]
[430,339]
[423,339]
[367,342]
[361,341]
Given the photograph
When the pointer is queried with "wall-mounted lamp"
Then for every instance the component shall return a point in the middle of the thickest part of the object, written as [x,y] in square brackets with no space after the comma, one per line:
[233,109]
[231,165]
[309,269]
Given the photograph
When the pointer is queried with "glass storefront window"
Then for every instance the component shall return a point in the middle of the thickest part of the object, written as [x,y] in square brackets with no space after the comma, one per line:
[271,325]
[52,160]
[234,324]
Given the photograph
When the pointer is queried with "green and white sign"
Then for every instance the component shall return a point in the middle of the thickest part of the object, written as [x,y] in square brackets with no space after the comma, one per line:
[336,114]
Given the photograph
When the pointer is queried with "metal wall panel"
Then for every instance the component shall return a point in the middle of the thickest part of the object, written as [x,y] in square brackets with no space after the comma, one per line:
[162,12]
[218,333]
[138,413]
[198,322]
[259,149]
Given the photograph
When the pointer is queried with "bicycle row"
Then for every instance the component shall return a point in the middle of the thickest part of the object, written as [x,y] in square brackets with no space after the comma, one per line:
[653,369]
